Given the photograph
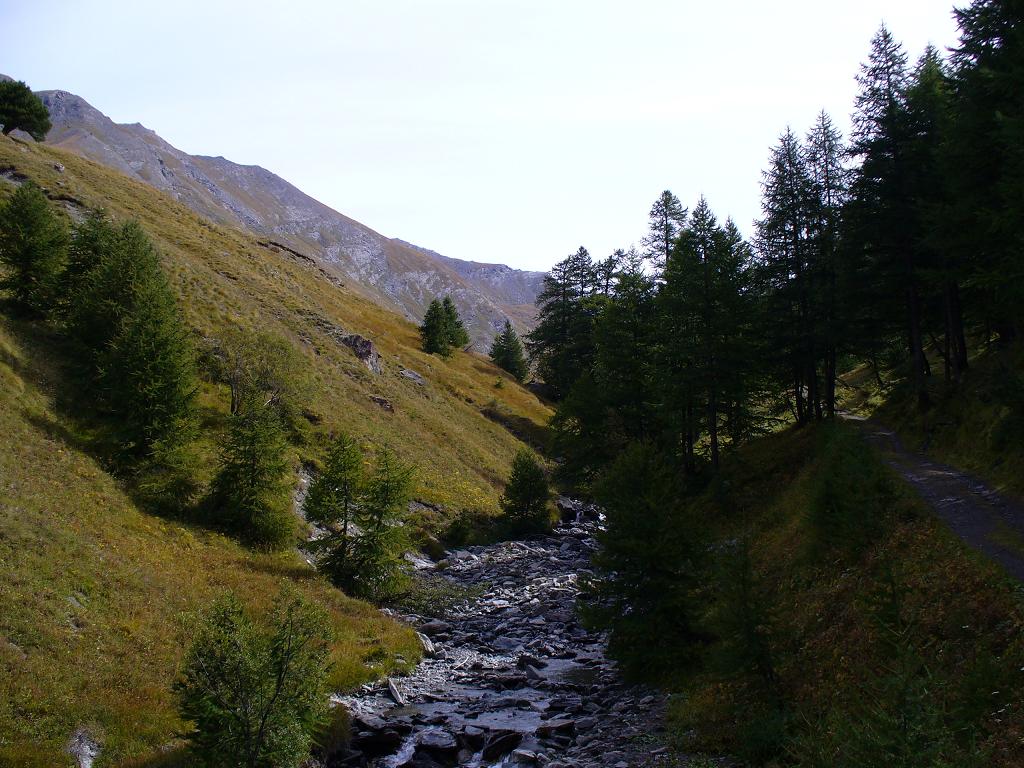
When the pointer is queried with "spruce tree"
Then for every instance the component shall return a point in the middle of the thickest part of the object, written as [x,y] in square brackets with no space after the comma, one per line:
[33,245]
[434,332]
[251,494]
[526,496]
[457,335]
[507,352]
[20,109]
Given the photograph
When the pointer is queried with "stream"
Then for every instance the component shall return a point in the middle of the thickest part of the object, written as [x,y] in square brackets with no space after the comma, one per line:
[509,677]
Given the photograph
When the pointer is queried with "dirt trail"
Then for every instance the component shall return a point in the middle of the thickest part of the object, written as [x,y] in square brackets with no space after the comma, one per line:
[982,517]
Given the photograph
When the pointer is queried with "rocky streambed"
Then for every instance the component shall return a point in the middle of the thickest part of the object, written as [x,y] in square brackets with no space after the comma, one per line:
[510,676]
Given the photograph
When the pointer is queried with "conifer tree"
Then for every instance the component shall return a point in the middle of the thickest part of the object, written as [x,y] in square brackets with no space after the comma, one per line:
[251,495]
[985,158]
[434,332]
[363,512]
[883,216]
[667,219]
[526,496]
[379,548]
[788,257]
[507,352]
[149,371]
[457,335]
[20,109]
[624,338]
[824,153]
[334,502]
[131,339]
[33,245]
[255,696]
[562,344]
[92,239]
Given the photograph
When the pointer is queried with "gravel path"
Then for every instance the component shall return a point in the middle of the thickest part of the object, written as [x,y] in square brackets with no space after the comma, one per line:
[510,675]
[986,520]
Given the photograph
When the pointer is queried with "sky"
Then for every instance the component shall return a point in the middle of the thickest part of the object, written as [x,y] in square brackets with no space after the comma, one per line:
[508,131]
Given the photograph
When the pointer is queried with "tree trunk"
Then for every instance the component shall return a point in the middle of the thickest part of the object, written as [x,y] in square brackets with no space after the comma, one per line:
[918,363]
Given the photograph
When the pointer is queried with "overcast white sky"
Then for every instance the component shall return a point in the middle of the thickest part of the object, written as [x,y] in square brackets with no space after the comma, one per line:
[494,130]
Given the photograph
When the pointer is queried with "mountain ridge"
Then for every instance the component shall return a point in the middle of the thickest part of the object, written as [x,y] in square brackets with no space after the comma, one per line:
[397,274]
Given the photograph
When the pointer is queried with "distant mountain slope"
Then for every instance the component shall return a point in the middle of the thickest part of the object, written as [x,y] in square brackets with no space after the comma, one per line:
[396,273]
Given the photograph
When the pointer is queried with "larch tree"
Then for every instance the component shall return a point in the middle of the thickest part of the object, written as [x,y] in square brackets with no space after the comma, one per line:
[667,219]
[251,494]
[33,246]
[458,337]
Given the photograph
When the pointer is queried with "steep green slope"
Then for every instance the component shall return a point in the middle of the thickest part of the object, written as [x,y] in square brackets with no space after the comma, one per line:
[450,428]
[94,593]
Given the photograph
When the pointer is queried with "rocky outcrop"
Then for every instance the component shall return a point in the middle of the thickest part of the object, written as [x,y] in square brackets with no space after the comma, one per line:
[364,350]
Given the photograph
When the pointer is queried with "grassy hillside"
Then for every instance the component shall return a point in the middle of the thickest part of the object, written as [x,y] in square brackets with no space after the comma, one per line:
[872,655]
[95,593]
[457,429]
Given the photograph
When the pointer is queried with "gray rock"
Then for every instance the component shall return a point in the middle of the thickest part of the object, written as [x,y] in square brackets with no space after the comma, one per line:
[364,350]
[413,376]
[435,627]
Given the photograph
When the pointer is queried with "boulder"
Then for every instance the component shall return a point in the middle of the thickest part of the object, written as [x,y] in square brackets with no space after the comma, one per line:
[501,743]
[435,627]
[364,350]
[413,376]
[437,742]
[378,743]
